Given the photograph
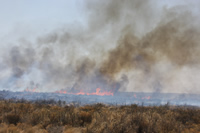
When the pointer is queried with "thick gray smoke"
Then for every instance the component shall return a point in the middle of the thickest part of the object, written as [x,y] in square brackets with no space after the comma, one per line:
[127,45]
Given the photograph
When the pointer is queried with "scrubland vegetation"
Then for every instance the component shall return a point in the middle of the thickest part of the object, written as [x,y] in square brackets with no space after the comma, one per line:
[52,117]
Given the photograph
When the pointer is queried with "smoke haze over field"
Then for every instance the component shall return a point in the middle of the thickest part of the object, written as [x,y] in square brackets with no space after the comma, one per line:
[123,45]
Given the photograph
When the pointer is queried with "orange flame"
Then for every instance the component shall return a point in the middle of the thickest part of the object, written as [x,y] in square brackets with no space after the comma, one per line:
[146,97]
[104,93]
[30,90]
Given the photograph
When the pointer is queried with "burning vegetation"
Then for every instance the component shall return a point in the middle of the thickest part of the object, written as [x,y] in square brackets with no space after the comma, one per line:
[127,50]
[98,93]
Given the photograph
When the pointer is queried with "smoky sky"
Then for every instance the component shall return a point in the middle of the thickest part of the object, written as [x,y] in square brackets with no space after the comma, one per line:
[126,45]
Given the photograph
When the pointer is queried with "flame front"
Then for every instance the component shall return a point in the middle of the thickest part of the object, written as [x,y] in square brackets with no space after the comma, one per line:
[30,90]
[98,92]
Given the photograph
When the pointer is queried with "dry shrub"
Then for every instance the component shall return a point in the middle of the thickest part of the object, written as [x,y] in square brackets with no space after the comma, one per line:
[54,129]
[88,108]
[23,126]
[13,129]
[85,117]
[30,118]
[73,130]
[188,116]
[12,118]
[3,128]
[35,118]
[35,130]
[54,117]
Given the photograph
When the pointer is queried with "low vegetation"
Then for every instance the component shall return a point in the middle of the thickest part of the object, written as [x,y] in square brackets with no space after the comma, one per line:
[55,117]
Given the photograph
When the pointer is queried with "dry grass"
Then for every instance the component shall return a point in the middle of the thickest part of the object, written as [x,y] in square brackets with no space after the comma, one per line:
[98,118]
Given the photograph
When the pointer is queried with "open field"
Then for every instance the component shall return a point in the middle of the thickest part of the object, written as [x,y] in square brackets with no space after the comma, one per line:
[26,117]
[100,66]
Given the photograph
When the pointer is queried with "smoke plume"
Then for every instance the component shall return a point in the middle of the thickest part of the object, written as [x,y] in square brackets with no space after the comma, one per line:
[127,45]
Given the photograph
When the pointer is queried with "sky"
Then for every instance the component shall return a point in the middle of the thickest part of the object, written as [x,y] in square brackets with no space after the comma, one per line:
[41,16]
[30,17]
